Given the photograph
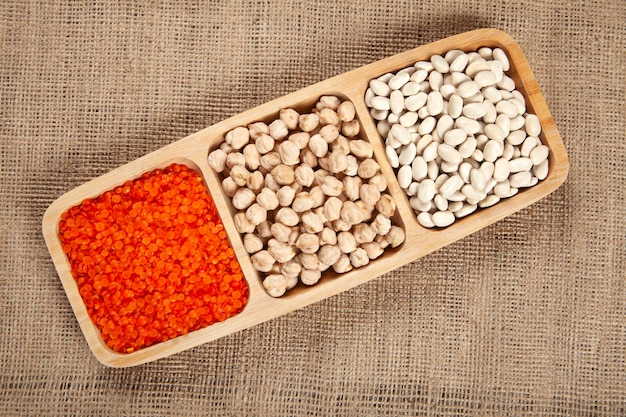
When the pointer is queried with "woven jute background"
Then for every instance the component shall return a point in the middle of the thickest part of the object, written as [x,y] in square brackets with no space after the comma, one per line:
[526,317]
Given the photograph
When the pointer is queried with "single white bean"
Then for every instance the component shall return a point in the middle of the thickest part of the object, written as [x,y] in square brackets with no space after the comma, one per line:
[430,153]
[427,125]
[452,184]
[532,125]
[520,179]
[488,201]
[541,170]
[408,154]
[539,154]
[416,101]
[444,124]
[426,191]
[380,88]
[467,148]
[520,165]
[435,80]
[439,64]
[425,219]
[434,103]
[493,149]
[529,144]
[469,125]
[408,119]
[455,137]
[419,168]
[485,78]
[500,55]
[392,156]
[501,170]
[465,210]
[516,137]
[381,103]
[477,179]
[455,106]
[459,63]
[405,176]
[468,88]
[396,101]
[502,189]
[397,81]
[495,132]
[449,153]
[443,218]
[440,203]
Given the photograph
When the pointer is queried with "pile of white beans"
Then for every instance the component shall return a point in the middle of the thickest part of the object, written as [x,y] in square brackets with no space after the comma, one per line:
[457,133]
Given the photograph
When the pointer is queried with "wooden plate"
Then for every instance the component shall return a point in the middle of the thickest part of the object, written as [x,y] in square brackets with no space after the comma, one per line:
[261,307]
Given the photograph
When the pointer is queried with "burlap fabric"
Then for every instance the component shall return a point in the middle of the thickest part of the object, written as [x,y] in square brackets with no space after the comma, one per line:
[526,317]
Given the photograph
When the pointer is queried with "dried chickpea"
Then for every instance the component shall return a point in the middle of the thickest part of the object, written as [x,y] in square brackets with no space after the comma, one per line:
[270,160]
[328,236]
[289,152]
[329,117]
[343,264]
[352,187]
[281,251]
[238,137]
[312,222]
[368,168]
[255,181]
[310,277]
[381,224]
[361,149]
[270,182]
[275,284]
[351,213]
[229,186]
[256,214]
[329,102]
[379,181]
[240,175]
[235,158]
[289,117]
[308,122]
[318,146]
[329,133]
[363,233]
[309,261]
[346,111]
[318,196]
[287,216]
[385,205]
[291,269]
[369,194]
[359,258]
[280,232]
[264,229]
[278,129]
[346,242]
[304,175]
[302,202]
[332,208]
[342,143]
[243,198]
[217,160]
[353,166]
[242,224]
[252,243]
[264,143]
[329,254]
[308,158]
[308,243]
[267,199]
[395,237]
[283,174]
[372,249]
[337,161]
[252,156]
[285,196]
[331,186]
[258,128]
[351,128]
[300,139]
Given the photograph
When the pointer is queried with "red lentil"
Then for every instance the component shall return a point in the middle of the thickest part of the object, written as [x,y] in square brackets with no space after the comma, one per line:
[151,259]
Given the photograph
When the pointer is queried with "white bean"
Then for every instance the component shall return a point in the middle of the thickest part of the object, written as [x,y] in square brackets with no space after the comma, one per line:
[405,176]
[396,101]
[380,88]
[426,191]
[465,210]
[501,170]
[434,103]
[532,125]
[520,164]
[539,154]
[419,168]
[443,218]
[425,219]
[392,156]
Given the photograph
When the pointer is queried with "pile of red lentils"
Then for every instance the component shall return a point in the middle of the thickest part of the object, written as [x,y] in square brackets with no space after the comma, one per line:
[152,260]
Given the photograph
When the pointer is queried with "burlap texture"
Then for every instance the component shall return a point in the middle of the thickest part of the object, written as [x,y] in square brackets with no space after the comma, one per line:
[526,317]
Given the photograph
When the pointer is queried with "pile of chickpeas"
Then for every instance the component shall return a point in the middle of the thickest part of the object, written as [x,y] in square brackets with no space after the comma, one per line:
[309,194]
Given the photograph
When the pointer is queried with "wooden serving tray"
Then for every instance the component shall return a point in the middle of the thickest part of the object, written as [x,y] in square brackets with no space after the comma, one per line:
[193,151]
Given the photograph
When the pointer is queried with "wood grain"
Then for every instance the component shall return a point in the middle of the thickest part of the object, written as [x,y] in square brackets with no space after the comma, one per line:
[193,151]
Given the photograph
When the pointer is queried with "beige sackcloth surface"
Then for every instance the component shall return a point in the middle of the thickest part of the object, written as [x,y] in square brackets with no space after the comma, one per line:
[525,317]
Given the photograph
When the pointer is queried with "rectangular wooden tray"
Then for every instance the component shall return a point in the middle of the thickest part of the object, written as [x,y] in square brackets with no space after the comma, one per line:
[193,151]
